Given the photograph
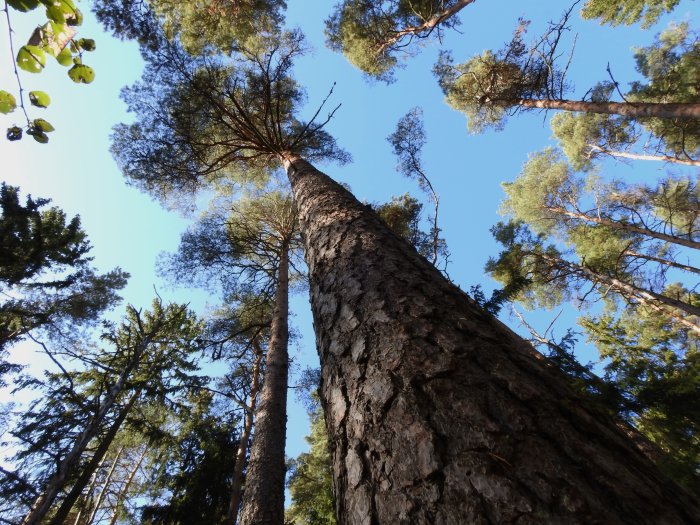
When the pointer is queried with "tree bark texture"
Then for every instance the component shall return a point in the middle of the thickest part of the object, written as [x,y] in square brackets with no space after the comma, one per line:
[263,496]
[437,413]
[237,483]
[626,109]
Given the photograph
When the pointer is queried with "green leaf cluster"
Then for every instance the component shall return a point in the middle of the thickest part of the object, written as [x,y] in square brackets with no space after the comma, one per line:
[657,364]
[366,31]
[311,483]
[616,12]
[45,275]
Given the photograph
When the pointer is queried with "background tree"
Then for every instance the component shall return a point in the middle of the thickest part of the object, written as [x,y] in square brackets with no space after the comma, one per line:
[45,273]
[407,143]
[655,363]
[627,11]
[198,468]
[491,86]
[146,351]
[372,35]
[310,482]
[254,241]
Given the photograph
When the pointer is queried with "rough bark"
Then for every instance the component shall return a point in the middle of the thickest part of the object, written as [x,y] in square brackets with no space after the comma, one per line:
[84,477]
[626,109]
[263,498]
[439,414]
[237,483]
[639,156]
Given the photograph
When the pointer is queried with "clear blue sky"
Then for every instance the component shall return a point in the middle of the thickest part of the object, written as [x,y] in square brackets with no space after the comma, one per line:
[127,229]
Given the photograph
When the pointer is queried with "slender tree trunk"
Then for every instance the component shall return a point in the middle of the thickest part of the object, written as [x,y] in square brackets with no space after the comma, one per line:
[626,109]
[263,498]
[125,489]
[620,225]
[426,27]
[237,483]
[638,156]
[665,262]
[659,302]
[105,486]
[70,462]
[77,489]
[88,493]
[438,413]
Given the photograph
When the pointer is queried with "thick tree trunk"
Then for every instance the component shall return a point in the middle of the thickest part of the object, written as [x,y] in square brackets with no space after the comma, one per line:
[626,109]
[263,498]
[439,414]
[426,27]
[639,156]
[237,483]
[80,483]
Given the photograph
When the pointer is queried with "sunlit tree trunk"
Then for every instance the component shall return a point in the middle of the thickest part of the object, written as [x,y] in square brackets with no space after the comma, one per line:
[626,226]
[626,109]
[639,156]
[426,27]
[438,413]
[237,483]
[263,498]
[127,485]
[105,486]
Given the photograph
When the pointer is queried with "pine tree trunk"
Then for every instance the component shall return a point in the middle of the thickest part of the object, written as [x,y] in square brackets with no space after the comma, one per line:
[626,109]
[620,225]
[426,27]
[125,489]
[105,486]
[639,156]
[77,489]
[263,498]
[665,262]
[439,414]
[237,483]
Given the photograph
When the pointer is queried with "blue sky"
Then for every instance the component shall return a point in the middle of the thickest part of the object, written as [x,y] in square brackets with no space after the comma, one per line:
[127,229]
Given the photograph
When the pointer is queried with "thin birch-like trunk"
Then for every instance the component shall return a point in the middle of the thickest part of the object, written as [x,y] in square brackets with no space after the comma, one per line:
[105,486]
[125,489]
[639,156]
